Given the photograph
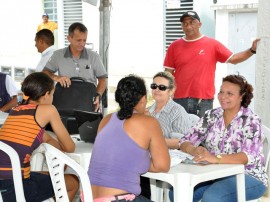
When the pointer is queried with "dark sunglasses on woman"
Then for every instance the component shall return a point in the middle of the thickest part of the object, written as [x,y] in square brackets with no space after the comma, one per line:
[160,87]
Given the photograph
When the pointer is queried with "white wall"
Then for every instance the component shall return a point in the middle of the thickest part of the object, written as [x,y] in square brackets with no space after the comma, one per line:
[136,37]
[91,21]
[207,16]
[136,41]
[231,2]
[19,23]
[223,9]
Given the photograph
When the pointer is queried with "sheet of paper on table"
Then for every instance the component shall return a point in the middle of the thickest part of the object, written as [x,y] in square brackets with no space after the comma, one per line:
[177,156]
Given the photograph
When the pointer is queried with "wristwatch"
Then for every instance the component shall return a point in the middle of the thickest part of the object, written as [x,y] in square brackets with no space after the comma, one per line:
[219,158]
[253,51]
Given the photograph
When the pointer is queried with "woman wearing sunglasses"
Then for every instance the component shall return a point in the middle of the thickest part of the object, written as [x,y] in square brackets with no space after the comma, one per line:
[173,118]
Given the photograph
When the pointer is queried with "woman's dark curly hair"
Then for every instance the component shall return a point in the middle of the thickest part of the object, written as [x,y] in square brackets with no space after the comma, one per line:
[36,85]
[246,89]
[130,90]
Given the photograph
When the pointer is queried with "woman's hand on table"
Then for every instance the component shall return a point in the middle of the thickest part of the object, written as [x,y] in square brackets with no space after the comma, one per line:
[202,155]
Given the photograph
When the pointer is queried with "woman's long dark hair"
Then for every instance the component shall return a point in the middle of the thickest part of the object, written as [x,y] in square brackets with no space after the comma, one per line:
[129,91]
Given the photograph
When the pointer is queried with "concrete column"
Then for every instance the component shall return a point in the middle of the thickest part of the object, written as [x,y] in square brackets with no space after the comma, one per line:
[262,79]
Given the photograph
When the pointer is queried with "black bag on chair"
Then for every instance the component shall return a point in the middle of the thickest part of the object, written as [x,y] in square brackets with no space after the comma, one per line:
[79,96]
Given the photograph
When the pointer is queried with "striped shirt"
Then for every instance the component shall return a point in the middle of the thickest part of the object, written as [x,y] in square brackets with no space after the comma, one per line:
[22,132]
[173,119]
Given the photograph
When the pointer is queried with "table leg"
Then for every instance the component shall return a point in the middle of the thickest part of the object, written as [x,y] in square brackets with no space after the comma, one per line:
[182,189]
[241,191]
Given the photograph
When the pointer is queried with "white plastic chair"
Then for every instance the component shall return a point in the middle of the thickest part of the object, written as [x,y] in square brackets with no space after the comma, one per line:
[56,160]
[266,152]
[194,119]
[16,171]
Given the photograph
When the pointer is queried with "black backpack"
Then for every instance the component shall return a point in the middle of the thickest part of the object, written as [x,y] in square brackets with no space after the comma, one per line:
[79,96]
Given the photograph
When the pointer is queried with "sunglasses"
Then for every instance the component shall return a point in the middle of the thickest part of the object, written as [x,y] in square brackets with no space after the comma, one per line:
[160,87]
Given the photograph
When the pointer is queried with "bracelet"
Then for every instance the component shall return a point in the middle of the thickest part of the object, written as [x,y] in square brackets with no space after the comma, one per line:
[179,143]
[219,157]
[252,51]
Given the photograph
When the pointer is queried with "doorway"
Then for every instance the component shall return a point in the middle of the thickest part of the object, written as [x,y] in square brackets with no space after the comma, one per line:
[242,31]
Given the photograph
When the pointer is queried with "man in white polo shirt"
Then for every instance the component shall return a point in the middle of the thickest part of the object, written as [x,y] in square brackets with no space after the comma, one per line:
[45,45]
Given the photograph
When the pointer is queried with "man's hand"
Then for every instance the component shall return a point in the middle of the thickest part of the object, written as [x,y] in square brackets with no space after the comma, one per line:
[254,44]
[63,80]
[97,100]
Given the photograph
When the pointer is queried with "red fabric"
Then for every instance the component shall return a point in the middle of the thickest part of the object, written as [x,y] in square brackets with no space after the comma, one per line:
[194,63]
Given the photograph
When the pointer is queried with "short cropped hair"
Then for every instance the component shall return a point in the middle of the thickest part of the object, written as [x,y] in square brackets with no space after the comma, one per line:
[46,35]
[76,26]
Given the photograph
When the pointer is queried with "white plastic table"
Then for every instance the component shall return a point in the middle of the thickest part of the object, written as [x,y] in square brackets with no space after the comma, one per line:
[81,155]
[184,177]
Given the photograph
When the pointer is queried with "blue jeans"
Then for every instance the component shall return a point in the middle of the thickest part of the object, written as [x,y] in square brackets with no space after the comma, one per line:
[224,190]
[36,189]
[195,106]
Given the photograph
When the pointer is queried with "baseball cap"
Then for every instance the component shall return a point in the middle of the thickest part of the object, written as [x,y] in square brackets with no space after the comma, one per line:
[45,14]
[191,14]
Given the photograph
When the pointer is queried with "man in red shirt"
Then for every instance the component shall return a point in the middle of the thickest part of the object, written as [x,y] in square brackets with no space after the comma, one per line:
[192,60]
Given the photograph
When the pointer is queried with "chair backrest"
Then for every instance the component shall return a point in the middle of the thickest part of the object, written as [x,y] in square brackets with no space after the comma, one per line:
[16,171]
[266,152]
[194,119]
[56,160]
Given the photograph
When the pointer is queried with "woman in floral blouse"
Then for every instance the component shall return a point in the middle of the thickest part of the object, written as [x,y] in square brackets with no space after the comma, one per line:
[231,134]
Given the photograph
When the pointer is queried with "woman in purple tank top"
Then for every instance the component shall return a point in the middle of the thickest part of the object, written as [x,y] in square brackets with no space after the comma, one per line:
[129,143]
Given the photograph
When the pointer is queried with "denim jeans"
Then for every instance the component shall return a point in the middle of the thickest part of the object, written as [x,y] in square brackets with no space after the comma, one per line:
[195,106]
[36,189]
[224,190]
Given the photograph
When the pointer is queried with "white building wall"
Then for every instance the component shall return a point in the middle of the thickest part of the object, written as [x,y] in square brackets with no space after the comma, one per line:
[136,41]
[223,8]
[91,21]
[19,21]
